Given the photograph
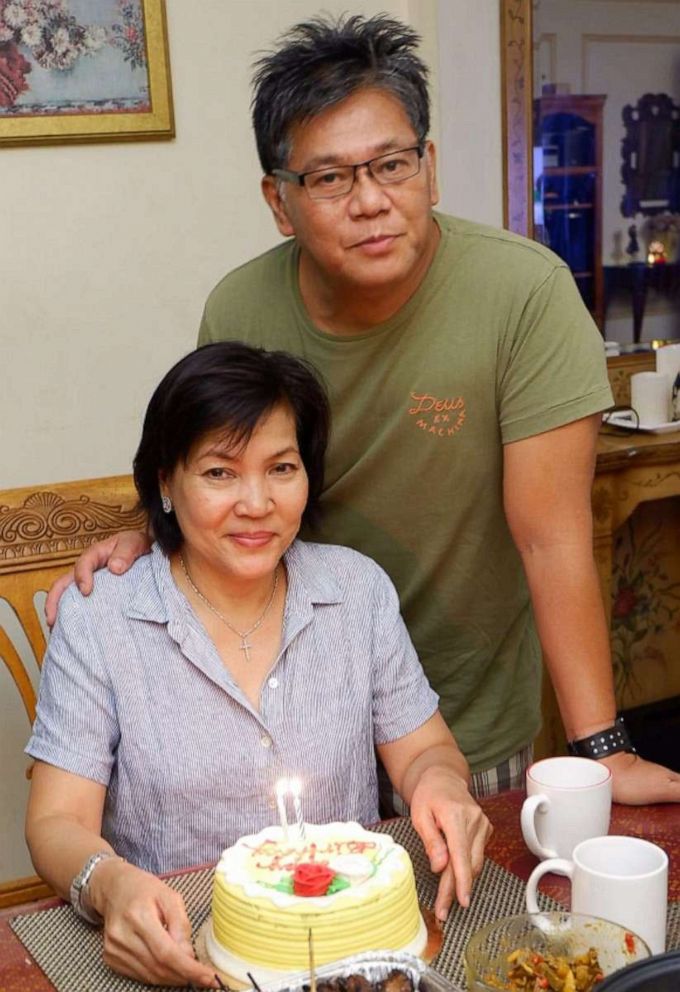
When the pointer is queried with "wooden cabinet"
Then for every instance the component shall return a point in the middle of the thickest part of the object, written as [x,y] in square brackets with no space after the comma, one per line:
[630,472]
[568,188]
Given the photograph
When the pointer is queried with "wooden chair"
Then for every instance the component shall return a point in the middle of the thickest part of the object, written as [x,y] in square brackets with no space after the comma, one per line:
[42,532]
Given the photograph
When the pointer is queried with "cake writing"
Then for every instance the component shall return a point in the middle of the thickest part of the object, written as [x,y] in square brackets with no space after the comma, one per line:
[272,856]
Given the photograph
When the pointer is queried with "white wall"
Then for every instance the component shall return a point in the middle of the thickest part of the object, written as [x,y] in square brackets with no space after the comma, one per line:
[115,246]
[470,112]
[108,251]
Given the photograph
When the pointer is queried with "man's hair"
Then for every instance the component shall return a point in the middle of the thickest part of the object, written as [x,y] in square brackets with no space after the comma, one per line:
[322,61]
[227,387]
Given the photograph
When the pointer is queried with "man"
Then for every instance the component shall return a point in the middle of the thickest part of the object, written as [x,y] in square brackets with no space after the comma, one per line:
[466,380]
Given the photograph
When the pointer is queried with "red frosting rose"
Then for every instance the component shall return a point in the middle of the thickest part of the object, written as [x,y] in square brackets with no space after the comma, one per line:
[311,879]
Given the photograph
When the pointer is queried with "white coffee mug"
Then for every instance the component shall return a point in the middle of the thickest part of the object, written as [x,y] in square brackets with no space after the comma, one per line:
[621,879]
[568,800]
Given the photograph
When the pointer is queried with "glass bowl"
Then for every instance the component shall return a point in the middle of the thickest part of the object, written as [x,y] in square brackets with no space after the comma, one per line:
[566,934]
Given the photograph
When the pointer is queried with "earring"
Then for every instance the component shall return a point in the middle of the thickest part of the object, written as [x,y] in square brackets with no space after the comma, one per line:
[166,503]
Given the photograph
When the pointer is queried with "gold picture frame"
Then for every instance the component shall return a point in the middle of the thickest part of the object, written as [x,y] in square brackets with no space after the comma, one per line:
[136,36]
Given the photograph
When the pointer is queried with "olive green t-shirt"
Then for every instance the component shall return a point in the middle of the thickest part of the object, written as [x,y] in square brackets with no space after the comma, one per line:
[494,346]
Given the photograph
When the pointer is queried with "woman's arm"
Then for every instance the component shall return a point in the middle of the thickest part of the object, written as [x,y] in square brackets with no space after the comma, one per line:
[147,934]
[429,772]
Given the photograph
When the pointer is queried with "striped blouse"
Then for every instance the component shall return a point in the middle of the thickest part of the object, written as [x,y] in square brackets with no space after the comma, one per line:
[133,695]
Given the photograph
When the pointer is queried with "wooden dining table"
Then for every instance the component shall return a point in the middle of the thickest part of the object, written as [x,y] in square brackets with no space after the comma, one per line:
[659,824]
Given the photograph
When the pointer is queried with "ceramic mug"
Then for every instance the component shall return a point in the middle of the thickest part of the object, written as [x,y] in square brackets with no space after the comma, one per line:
[568,800]
[621,879]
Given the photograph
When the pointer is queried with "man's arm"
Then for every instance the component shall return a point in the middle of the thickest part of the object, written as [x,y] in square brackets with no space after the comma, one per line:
[547,492]
[117,553]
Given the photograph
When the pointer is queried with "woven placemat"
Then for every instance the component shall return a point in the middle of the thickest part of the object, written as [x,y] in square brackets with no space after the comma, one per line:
[70,952]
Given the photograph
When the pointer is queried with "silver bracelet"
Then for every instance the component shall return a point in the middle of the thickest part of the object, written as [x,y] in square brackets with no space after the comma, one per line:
[78,890]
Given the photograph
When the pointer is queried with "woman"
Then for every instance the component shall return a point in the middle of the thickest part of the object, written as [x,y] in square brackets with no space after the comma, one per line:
[174,697]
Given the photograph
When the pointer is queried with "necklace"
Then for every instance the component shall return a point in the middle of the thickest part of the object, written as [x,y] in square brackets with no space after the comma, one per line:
[243,634]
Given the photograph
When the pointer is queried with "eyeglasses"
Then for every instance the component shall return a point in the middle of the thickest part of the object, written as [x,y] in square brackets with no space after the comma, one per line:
[326,184]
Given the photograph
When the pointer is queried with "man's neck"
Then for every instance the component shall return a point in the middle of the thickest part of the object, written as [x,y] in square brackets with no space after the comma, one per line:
[344,310]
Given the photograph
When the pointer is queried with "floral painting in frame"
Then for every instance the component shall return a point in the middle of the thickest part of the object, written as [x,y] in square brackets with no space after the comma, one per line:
[84,70]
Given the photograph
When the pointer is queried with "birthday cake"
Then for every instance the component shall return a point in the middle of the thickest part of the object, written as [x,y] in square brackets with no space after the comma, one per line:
[355,890]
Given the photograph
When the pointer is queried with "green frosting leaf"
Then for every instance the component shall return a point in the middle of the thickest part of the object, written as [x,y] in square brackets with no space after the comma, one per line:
[284,884]
[337,885]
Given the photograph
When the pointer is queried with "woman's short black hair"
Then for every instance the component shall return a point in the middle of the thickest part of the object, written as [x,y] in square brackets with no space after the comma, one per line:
[226,386]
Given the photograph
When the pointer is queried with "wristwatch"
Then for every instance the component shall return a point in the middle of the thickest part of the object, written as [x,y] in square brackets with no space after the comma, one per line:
[78,890]
[604,742]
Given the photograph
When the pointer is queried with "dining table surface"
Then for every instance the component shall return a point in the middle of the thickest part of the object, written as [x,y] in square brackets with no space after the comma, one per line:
[659,824]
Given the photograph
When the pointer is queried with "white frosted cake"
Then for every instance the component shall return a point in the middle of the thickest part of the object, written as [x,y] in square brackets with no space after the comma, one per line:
[354,889]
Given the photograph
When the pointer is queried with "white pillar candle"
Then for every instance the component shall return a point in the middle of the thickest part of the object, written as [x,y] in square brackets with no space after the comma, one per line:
[668,360]
[296,789]
[650,397]
[281,790]
[668,363]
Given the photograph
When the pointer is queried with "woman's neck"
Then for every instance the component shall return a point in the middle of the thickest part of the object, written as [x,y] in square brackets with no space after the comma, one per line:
[240,599]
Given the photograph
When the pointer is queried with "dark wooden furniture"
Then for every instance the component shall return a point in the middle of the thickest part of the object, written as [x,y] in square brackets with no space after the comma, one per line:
[569,188]
[634,280]
[631,469]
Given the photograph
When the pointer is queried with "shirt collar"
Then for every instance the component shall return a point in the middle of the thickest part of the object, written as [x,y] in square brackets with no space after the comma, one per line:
[158,599]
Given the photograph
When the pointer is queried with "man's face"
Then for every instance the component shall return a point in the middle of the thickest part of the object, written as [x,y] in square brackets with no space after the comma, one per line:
[375,237]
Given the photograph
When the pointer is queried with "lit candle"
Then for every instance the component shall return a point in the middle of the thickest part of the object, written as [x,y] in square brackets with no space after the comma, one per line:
[281,790]
[296,789]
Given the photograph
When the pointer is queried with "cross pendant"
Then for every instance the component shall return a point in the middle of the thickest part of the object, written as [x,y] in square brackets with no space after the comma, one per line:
[245,647]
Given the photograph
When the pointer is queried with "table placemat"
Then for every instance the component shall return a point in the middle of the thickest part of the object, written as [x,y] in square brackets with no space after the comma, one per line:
[70,952]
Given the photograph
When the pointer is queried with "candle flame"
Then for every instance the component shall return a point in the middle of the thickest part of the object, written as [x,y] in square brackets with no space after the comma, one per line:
[295,787]
[282,786]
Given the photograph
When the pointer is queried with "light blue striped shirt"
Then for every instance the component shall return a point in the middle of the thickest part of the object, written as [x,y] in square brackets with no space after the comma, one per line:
[134,695]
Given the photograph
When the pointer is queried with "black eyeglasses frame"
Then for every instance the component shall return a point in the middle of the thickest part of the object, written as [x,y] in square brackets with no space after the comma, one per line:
[298,178]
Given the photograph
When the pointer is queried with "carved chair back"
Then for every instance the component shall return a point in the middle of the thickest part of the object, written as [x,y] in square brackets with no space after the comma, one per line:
[43,530]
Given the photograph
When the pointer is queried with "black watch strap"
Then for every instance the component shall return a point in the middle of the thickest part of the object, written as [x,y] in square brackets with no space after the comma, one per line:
[604,742]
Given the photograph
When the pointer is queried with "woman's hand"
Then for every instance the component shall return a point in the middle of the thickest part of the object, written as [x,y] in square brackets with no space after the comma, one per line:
[431,774]
[147,934]
[454,832]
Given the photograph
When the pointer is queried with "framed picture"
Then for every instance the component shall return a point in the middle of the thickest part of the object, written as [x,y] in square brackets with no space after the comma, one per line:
[84,70]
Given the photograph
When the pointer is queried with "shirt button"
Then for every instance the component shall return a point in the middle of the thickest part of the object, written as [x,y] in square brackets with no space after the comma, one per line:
[272,803]
[273,682]
[266,741]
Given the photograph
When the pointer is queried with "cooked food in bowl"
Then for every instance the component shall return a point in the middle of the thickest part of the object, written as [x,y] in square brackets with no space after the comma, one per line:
[550,952]
[530,971]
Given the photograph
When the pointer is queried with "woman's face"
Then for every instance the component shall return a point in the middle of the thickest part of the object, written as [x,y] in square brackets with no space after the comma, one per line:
[239,508]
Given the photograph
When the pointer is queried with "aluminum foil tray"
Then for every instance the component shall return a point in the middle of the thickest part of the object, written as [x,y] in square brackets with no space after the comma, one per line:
[375,966]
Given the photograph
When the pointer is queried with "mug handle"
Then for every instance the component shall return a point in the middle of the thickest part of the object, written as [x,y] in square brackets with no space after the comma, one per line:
[531,806]
[559,865]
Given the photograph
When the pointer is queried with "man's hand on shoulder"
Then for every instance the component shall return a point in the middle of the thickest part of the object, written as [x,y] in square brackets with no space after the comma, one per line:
[117,553]
[636,782]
